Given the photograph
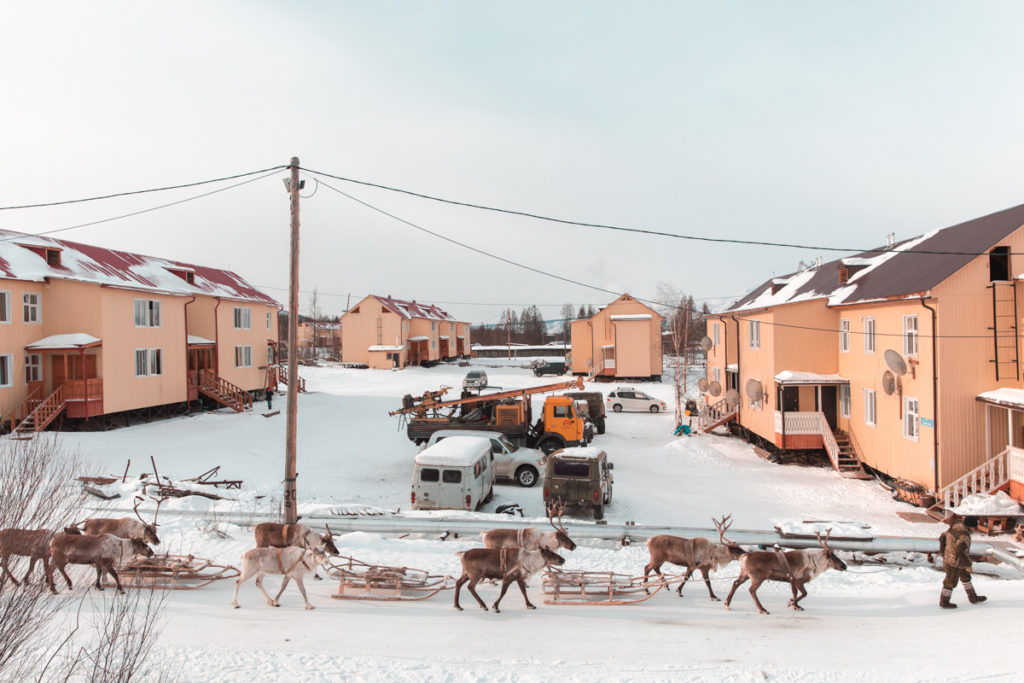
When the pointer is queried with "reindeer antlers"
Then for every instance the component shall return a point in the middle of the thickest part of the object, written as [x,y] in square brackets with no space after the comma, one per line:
[135,507]
[553,509]
[722,527]
[824,542]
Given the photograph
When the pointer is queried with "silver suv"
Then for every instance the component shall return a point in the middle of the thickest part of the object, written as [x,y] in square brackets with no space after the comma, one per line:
[475,379]
[522,465]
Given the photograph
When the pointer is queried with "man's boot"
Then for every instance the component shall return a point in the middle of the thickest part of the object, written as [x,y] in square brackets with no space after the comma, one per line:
[972,596]
[944,600]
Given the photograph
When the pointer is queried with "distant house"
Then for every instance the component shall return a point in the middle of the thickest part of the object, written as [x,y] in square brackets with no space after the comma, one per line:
[906,359]
[622,340]
[88,332]
[319,339]
[382,332]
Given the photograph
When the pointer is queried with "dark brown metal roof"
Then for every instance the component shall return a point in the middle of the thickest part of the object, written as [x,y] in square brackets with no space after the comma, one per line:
[924,262]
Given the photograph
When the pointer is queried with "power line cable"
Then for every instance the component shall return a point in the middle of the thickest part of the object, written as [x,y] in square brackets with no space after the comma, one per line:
[643,231]
[142,211]
[134,192]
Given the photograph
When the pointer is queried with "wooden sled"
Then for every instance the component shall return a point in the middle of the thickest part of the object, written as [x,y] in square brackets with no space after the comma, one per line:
[173,572]
[361,581]
[601,588]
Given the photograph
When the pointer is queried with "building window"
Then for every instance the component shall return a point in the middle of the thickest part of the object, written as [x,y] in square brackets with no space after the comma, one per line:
[147,313]
[999,264]
[33,367]
[844,400]
[910,335]
[433,326]
[844,335]
[869,407]
[869,335]
[715,338]
[32,305]
[911,410]
[148,362]
[243,356]
[5,370]
[5,307]
[242,318]
[716,375]
[270,318]
[270,354]
[755,334]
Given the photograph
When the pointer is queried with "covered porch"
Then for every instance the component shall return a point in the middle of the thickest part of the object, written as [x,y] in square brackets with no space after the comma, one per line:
[62,374]
[419,350]
[1004,450]
[202,355]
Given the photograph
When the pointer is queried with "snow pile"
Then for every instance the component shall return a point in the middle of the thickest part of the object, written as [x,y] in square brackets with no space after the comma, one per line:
[997,504]
[811,529]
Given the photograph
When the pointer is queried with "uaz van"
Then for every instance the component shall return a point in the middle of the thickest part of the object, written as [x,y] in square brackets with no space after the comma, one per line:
[456,473]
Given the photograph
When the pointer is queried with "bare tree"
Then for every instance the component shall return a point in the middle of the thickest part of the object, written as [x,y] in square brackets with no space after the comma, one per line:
[568,315]
[125,629]
[677,309]
[314,314]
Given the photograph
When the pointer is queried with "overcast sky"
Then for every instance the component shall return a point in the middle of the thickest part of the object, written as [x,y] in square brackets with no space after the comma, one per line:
[824,124]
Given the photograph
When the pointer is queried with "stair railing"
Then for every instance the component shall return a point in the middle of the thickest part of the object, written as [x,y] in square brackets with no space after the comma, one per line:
[984,478]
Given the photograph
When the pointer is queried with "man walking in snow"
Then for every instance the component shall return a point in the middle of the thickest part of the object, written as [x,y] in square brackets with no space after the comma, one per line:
[955,546]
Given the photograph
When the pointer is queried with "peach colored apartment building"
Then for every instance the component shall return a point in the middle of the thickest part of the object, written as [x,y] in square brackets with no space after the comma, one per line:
[383,332]
[622,340]
[88,332]
[318,339]
[906,359]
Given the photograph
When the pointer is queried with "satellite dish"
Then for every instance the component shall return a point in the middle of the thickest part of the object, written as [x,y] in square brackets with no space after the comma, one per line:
[702,384]
[715,388]
[888,382]
[754,390]
[895,362]
[732,398]
[706,343]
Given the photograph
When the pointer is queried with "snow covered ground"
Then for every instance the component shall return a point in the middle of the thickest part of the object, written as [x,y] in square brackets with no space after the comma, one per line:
[869,623]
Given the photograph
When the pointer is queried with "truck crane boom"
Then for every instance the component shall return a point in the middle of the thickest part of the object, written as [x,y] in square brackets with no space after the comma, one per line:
[421,405]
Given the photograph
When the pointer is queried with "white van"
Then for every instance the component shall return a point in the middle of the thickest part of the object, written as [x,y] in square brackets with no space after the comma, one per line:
[456,473]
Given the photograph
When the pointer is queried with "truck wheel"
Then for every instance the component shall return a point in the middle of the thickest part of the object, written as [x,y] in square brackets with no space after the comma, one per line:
[654,409]
[550,445]
[600,426]
[526,476]
[599,512]
[617,407]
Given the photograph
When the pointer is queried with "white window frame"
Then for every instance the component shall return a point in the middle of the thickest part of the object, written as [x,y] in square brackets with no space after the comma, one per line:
[754,334]
[270,317]
[149,362]
[5,307]
[243,318]
[911,336]
[35,306]
[870,408]
[33,367]
[7,368]
[146,312]
[911,418]
[844,335]
[715,334]
[243,356]
[844,400]
[156,362]
[270,354]
[869,335]
[716,375]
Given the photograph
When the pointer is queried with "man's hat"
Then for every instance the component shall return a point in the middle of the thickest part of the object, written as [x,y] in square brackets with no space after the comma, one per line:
[971,521]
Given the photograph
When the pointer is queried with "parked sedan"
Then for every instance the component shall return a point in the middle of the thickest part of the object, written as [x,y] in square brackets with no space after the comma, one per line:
[628,398]
[522,465]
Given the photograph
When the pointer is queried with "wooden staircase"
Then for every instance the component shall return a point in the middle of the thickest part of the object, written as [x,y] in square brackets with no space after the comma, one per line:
[715,415]
[990,476]
[847,463]
[282,373]
[40,413]
[224,392]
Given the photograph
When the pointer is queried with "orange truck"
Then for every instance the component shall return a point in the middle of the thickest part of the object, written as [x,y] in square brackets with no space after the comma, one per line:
[508,412]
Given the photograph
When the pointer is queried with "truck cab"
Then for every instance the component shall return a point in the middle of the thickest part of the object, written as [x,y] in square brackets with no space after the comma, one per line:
[562,425]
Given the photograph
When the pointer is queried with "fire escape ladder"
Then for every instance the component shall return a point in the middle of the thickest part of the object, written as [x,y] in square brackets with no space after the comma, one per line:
[1004,330]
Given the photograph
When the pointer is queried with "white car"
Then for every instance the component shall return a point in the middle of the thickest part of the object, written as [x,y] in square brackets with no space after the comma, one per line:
[475,379]
[628,398]
[522,465]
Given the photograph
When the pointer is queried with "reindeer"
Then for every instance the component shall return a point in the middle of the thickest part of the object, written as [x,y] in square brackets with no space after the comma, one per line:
[531,538]
[102,552]
[124,527]
[507,564]
[795,567]
[274,535]
[695,553]
[292,562]
[33,544]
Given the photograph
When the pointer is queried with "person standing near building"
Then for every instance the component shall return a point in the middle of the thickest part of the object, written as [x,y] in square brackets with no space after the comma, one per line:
[955,546]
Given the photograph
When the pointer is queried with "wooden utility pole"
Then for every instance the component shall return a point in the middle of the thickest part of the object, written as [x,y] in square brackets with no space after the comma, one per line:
[290,511]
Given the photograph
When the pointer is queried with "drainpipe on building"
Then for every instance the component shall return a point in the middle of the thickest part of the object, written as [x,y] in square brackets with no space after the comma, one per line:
[216,339]
[186,353]
[739,406]
[935,396]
